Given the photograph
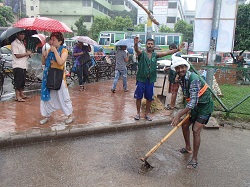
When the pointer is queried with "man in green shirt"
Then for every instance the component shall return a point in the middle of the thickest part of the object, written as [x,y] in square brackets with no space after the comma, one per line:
[146,74]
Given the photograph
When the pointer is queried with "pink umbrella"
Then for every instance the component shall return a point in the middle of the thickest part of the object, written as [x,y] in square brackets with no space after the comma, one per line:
[42,24]
[85,39]
[41,37]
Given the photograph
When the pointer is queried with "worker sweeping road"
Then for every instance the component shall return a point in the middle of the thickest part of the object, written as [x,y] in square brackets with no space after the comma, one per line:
[199,104]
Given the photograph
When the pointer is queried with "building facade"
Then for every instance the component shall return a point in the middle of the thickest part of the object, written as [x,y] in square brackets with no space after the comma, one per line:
[68,11]
[166,12]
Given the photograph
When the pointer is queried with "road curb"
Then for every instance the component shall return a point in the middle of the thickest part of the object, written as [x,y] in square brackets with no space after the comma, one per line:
[35,135]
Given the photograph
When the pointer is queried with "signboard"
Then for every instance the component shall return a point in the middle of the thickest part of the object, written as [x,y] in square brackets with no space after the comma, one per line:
[203,25]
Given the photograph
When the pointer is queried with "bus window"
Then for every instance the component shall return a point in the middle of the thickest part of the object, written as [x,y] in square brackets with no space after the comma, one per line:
[112,38]
[170,40]
[143,38]
[102,41]
[176,40]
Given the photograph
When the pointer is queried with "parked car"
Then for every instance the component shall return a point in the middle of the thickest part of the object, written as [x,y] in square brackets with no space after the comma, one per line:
[161,64]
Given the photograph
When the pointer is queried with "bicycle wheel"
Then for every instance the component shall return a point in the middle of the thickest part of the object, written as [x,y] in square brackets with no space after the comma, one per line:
[1,84]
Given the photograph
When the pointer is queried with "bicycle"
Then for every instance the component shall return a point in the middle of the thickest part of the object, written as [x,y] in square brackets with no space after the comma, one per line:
[6,71]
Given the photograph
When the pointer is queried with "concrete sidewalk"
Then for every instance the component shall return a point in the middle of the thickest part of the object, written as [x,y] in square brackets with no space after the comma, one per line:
[96,110]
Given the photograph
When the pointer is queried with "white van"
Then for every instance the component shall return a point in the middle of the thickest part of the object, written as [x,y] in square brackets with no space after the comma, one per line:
[194,58]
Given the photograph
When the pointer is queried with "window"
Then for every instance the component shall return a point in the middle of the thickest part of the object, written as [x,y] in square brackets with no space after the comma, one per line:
[159,40]
[87,18]
[86,3]
[172,5]
[170,40]
[171,19]
[118,2]
[32,8]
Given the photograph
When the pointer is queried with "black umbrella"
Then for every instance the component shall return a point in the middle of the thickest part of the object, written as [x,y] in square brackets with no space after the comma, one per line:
[9,35]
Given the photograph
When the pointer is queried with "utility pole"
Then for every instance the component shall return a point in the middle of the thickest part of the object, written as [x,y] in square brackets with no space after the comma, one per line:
[149,23]
[213,41]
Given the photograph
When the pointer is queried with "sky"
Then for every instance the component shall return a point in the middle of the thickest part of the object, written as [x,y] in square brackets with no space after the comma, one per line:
[191,4]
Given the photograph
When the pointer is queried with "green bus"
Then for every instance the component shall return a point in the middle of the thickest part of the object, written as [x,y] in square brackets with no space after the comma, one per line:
[107,39]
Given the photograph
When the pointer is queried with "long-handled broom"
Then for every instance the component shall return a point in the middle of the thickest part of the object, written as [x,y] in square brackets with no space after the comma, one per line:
[144,159]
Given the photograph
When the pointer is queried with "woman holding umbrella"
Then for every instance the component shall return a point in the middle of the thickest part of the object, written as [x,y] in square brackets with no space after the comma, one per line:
[52,100]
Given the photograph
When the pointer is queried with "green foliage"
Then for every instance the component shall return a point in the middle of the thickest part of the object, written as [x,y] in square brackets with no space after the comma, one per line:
[186,29]
[105,23]
[132,14]
[100,24]
[81,28]
[242,31]
[121,23]
[6,16]
[164,28]
[140,28]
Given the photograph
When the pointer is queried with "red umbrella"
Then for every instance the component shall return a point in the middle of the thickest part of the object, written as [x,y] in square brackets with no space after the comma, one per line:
[42,24]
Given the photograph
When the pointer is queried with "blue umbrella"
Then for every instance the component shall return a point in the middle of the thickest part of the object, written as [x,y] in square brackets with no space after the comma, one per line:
[126,42]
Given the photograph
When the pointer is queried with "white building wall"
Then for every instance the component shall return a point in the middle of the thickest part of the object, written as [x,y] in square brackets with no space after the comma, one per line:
[32,8]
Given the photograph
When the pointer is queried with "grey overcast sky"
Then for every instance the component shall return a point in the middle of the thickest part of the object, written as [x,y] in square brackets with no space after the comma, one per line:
[191,4]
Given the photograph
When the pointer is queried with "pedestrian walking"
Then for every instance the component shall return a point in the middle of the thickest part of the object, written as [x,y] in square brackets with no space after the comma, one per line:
[52,100]
[199,104]
[146,74]
[19,63]
[122,58]
[82,66]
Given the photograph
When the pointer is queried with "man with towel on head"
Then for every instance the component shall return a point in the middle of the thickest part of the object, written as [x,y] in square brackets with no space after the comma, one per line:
[199,104]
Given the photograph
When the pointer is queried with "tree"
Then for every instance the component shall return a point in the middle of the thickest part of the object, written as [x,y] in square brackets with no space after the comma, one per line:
[140,28]
[164,28]
[81,28]
[242,32]
[187,31]
[120,23]
[6,16]
[132,14]
[100,24]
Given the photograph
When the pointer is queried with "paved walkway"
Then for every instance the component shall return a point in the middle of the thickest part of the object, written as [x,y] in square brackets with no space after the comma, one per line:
[96,110]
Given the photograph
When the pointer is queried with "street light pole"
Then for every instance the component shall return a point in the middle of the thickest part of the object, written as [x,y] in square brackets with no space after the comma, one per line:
[213,41]
[149,23]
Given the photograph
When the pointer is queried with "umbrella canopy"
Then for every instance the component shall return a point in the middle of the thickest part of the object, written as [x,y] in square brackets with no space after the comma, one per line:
[9,35]
[41,37]
[42,24]
[85,39]
[10,31]
[126,42]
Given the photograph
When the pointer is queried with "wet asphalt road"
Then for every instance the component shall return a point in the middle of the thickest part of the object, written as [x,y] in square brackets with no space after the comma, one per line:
[114,160]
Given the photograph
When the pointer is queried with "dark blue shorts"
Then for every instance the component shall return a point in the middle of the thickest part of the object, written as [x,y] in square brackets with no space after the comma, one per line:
[146,89]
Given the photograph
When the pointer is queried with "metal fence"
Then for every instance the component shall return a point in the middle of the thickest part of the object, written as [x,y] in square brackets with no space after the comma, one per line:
[231,87]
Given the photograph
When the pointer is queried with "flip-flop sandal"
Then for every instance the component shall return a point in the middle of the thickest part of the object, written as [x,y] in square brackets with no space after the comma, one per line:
[148,118]
[184,150]
[192,165]
[168,107]
[137,117]
[20,100]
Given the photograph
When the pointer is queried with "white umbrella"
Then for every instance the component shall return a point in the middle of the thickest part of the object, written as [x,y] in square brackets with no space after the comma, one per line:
[85,39]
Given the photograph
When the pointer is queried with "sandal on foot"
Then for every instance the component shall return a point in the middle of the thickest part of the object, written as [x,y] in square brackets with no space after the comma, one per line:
[20,100]
[184,150]
[69,120]
[137,117]
[81,88]
[192,165]
[148,118]
[43,121]
[168,107]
